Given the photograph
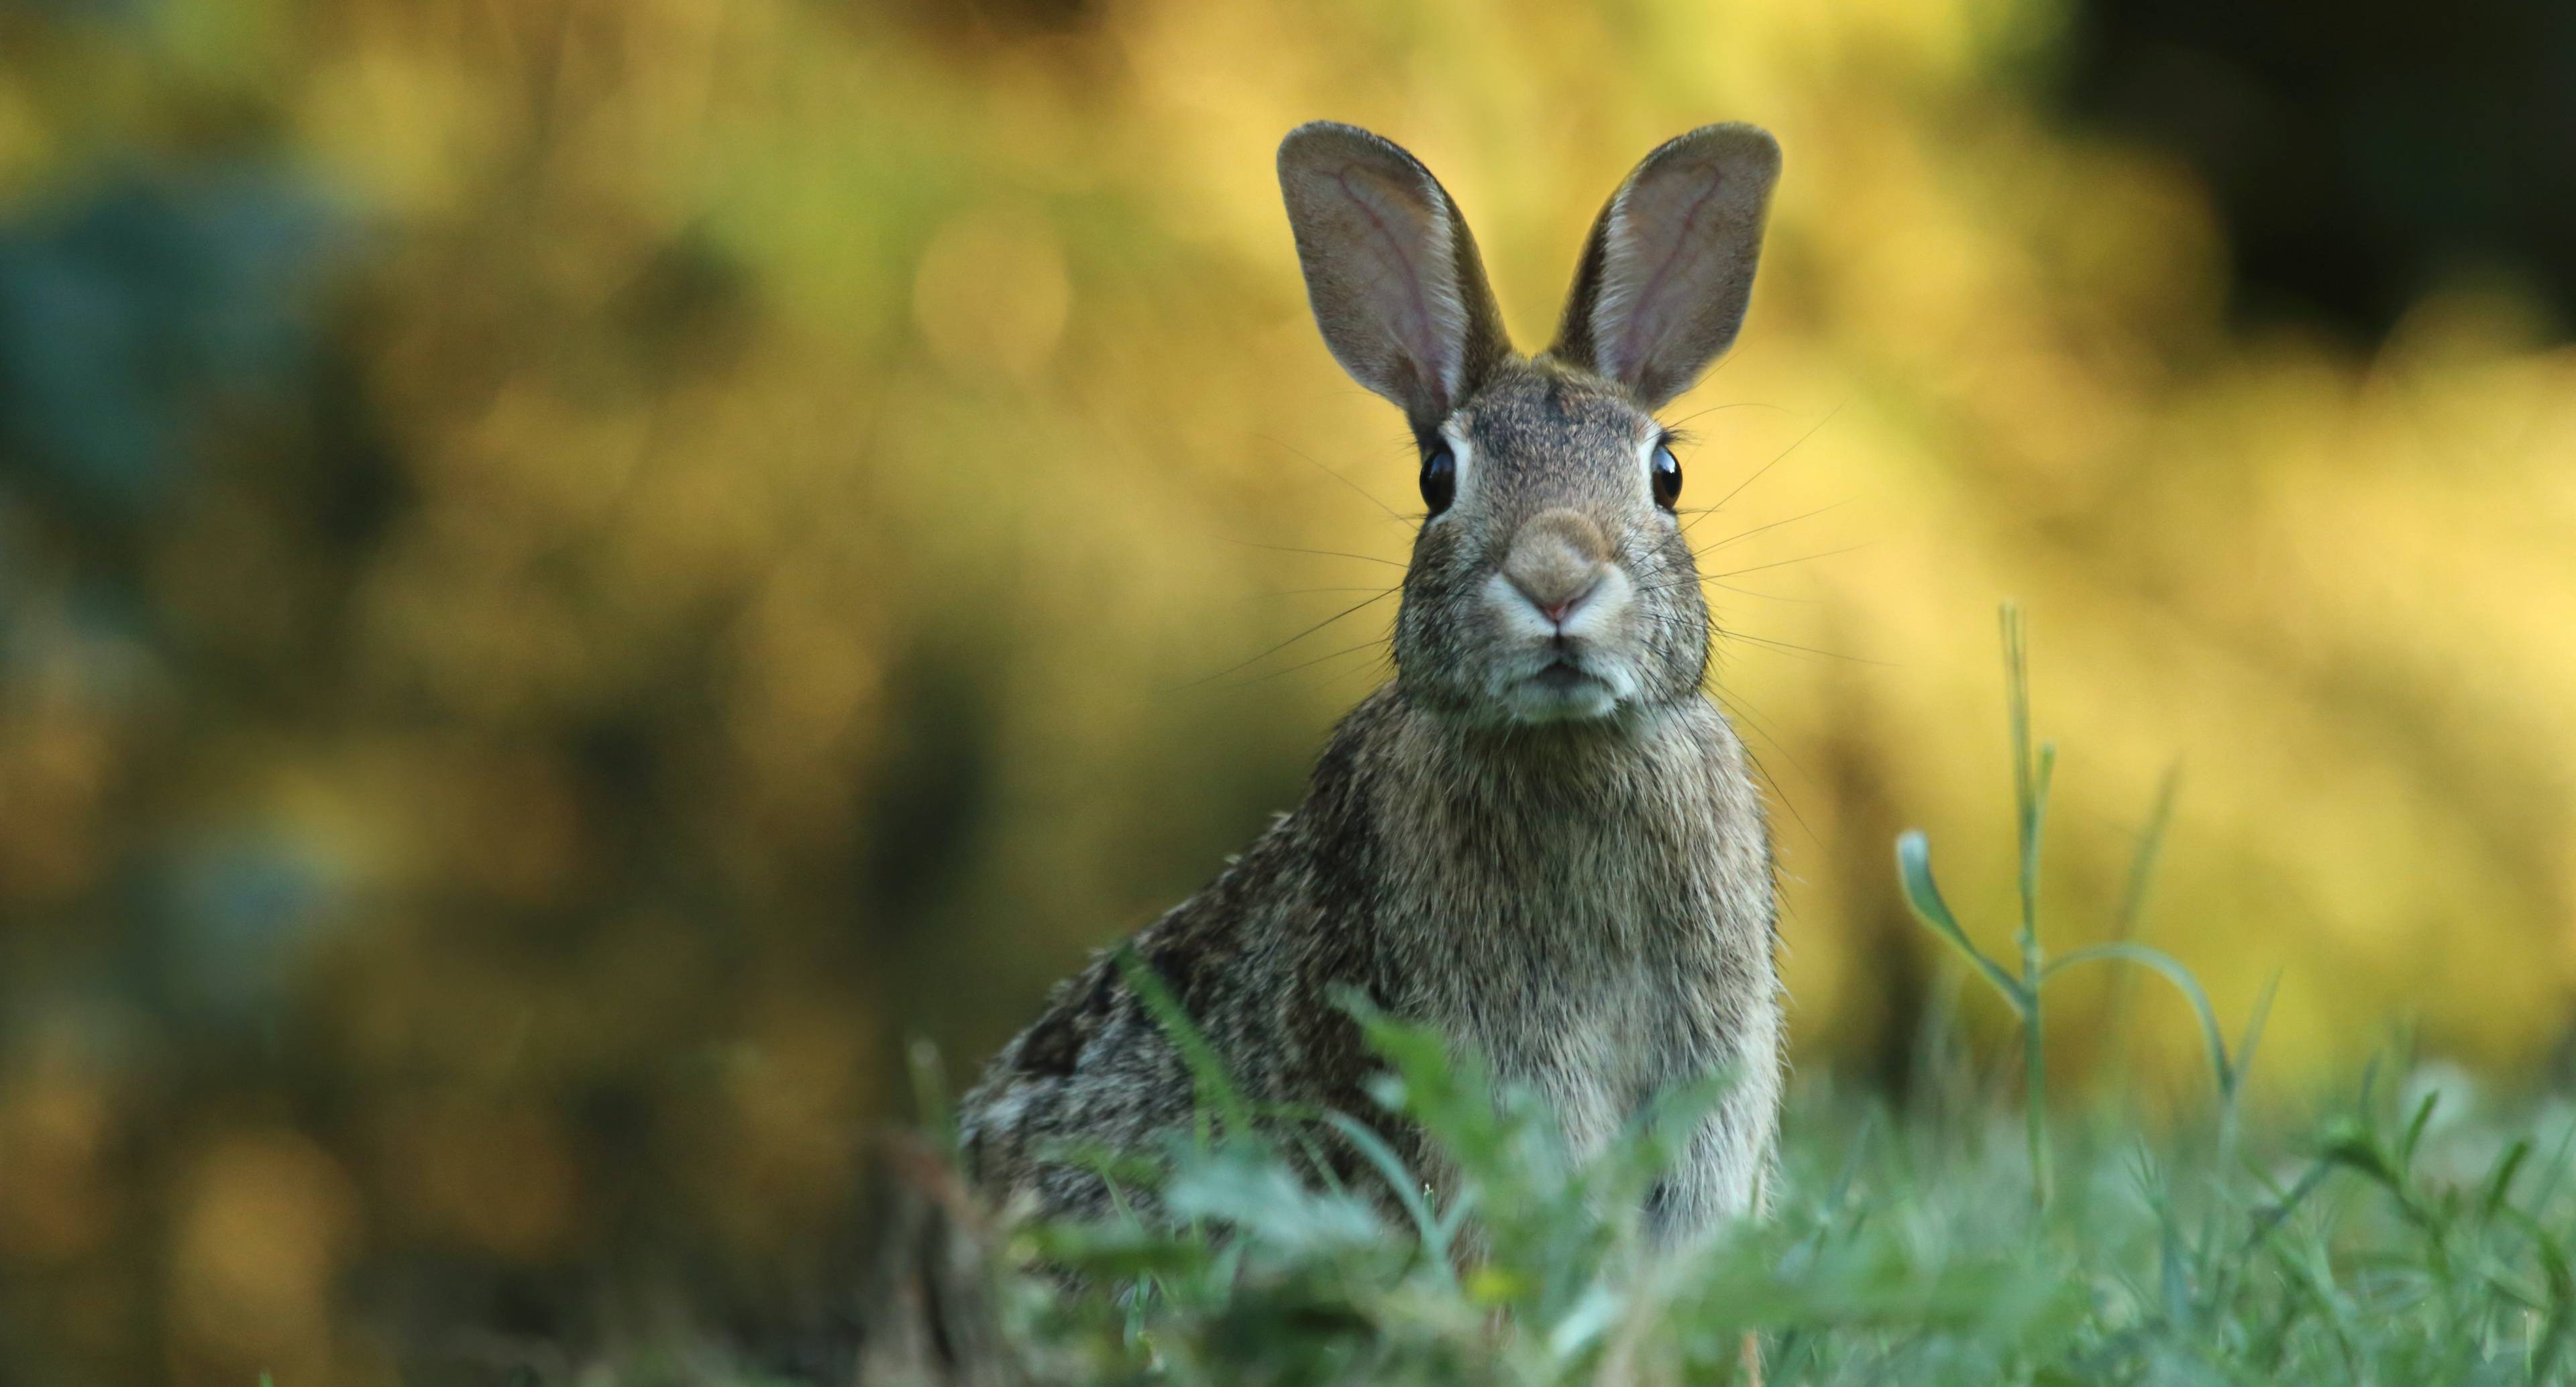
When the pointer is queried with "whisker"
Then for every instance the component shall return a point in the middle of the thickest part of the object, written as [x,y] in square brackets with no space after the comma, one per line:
[1804,558]
[1365,493]
[1775,461]
[1760,722]
[1738,404]
[1778,791]
[1717,632]
[1321,553]
[1292,669]
[1793,647]
[1776,524]
[1292,640]
[1380,668]
[1765,596]
[1709,580]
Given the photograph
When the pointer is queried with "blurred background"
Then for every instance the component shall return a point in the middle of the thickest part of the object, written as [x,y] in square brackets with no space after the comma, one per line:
[574,572]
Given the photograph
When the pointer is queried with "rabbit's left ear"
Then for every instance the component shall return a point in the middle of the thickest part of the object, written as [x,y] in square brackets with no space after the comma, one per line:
[1668,269]
[1390,269]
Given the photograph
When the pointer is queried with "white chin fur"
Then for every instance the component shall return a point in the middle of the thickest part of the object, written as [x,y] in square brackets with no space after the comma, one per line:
[1537,679]
[1537,700]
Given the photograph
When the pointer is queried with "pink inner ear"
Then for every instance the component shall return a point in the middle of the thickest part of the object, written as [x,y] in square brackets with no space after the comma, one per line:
[1400,271]
[1658,244]
[1402,234]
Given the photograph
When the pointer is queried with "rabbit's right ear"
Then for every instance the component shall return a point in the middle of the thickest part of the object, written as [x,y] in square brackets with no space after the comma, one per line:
[1390,269]
[1668,270]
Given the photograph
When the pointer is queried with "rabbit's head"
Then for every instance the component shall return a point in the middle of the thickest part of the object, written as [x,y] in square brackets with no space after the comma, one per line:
[1550,581]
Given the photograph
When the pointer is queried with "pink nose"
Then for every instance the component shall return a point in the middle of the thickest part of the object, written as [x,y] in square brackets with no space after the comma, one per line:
[1556,560]
[1557,603]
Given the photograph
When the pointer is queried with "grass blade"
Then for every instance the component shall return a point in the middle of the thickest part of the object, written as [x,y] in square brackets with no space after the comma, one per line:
[1914,874]
[1407,1189]
[2172,971]
[1216,1088]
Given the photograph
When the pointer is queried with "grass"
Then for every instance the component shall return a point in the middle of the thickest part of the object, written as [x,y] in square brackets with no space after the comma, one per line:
[2405,1237]
[2409,1233]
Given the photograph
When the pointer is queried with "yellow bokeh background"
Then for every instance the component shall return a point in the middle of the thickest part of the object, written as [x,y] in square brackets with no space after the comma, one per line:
[827,478]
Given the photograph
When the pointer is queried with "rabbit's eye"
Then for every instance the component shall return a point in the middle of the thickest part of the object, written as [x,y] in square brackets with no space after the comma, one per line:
[1667,477]
[1439,478]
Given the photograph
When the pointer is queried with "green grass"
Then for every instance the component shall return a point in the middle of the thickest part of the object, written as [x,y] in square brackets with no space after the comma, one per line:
[2407,1234]
[2387,1245]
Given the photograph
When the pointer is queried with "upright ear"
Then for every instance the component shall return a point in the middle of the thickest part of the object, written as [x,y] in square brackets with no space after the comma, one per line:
[1669,266]
[1390,269]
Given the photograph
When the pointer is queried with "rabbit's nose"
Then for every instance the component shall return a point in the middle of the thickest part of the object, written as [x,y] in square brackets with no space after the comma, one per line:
[1556,561]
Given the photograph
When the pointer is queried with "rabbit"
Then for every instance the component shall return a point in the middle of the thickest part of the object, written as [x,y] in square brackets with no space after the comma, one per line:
[1540,837]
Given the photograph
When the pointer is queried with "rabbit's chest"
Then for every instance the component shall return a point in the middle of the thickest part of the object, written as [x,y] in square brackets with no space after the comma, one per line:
[1599,973]
[1597,925]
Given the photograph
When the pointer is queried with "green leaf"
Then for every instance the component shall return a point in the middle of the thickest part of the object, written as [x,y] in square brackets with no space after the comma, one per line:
[2415,1129]
[1390,1167]
[2254,1022]
[1118,1249]
[2171,969]
[1215,1087]
[2500,1181]
[1591,1317]
[1914,874]
[1263,1200]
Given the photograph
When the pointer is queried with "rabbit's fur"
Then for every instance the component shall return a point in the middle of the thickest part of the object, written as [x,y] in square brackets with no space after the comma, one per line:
[1540,838]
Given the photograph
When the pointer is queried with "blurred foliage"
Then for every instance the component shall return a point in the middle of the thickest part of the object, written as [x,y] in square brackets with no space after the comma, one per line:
[570,571]
[2358,154]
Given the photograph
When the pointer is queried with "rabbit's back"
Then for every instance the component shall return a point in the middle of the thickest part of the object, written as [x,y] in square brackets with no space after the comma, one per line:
[1255,960]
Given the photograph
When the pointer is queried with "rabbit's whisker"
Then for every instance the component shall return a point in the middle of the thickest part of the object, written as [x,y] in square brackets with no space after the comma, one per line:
[1377,669]
[1791,647]
[1717,544]
[1765,596]
[1697,579]
[1720,632]
[1780,792]
[1321,553]
[1775,460]
[1292,640]
[1365,494]
[1761,722]
[1803,558]
[1676,425]
[1302,664]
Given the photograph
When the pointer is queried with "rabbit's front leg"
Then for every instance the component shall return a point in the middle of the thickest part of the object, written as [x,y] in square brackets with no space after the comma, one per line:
[1724,1167]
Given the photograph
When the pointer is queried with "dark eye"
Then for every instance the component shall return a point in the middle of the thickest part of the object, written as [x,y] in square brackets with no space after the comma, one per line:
[1667,477]
[1439,478]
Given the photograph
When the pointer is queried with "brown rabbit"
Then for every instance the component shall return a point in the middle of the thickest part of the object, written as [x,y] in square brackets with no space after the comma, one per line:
[1540,838]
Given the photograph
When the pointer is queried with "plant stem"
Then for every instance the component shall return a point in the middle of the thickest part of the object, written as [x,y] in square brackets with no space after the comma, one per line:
[2030,794]
[2035,1063]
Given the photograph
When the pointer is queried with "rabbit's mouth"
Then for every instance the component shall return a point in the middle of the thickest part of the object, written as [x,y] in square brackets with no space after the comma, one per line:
[1568,663]
[1562,689]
